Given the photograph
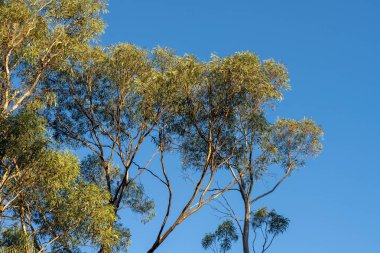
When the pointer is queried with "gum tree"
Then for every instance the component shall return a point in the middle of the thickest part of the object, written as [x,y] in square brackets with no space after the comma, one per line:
[100,107]
[262,147]
[220,124]
[283,148]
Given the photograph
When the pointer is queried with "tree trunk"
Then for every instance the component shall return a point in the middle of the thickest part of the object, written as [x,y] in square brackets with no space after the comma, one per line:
[160,240]
[247,217]
[154,247]
[23,227]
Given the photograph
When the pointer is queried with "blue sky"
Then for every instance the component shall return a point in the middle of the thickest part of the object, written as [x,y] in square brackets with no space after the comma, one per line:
[331,49]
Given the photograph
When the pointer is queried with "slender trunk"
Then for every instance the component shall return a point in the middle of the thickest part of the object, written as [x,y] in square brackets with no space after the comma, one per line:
[23,227]
[247,217]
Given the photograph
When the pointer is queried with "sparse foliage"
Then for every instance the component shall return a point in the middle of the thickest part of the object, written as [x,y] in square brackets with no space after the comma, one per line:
[269,225]
[221,240]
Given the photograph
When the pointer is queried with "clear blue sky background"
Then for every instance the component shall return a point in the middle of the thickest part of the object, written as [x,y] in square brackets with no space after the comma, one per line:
[331,48]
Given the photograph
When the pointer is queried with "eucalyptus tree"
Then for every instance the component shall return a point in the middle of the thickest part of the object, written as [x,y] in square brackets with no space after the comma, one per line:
[38,34]
[101,108]
[45,204]
[262,147]
[220,124]
[282,148]
[219,118]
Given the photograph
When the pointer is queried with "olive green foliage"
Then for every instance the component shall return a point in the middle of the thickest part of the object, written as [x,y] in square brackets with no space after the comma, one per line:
[110,100]
[41,188]
[290,142]
[221,240]
[59,90]
[216,95]
[36,35]
[223,125]
[100,107]
[12,240]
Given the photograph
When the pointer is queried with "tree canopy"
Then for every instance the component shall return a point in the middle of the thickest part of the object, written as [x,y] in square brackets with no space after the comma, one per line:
[59,93]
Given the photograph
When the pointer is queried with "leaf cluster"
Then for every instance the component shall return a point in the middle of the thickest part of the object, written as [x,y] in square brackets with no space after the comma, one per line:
[42,187]
[221,240]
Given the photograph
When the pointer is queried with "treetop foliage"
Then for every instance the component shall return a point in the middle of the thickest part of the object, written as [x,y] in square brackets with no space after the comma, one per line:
[59,92]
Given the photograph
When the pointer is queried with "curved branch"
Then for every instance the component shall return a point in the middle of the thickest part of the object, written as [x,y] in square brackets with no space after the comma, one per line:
[274,187]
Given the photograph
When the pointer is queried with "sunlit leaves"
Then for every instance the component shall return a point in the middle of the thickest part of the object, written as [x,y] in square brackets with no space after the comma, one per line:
[290,142]
[36,36]
[41,189]
[109,101]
